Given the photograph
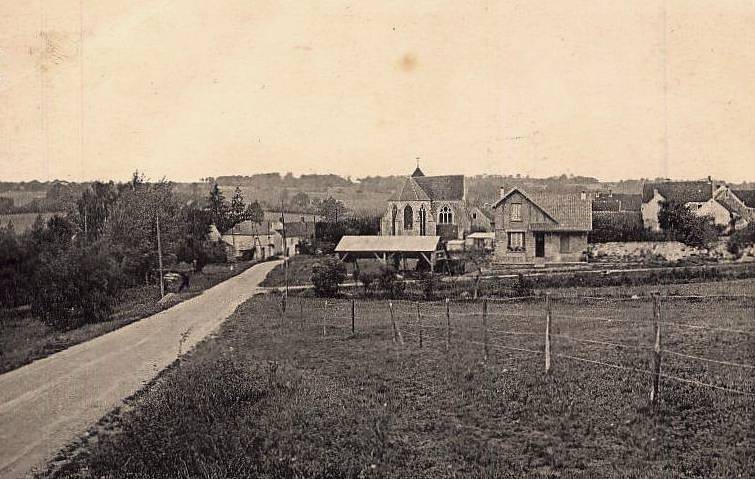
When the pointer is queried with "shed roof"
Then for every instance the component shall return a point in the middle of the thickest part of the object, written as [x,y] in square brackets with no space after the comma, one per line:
[250,228]
[388,244]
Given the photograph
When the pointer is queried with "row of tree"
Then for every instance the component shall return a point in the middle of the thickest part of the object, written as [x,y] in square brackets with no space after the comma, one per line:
[73,268]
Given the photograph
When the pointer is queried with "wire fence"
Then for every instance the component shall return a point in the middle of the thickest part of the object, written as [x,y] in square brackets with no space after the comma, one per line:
[637,335]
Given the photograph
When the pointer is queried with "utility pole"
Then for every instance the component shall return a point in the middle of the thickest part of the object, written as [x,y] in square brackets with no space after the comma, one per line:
[285,255]
[160,256]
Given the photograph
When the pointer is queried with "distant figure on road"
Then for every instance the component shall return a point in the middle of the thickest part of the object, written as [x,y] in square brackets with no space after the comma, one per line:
[184,282]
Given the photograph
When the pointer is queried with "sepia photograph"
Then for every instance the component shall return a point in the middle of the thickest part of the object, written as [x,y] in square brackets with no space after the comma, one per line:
[377,239]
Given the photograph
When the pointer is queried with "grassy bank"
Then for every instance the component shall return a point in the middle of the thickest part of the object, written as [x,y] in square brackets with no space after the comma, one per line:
[274,396]
[24,338]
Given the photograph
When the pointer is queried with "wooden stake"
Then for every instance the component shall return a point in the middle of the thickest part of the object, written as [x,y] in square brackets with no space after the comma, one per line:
[324,313]
[547,332]
[485,328]
[393,320]
[654,392]
[448,325]
[301,313]
[419,324]
[353,314]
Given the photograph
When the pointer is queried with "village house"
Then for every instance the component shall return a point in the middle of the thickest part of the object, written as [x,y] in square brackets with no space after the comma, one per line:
[430,206]
[705,198]
[541,227]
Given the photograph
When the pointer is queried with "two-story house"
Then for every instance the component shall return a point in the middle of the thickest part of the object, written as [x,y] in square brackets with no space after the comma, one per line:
[541,227]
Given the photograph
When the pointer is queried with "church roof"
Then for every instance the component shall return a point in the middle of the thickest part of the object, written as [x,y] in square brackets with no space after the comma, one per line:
[417,172]
[431,188]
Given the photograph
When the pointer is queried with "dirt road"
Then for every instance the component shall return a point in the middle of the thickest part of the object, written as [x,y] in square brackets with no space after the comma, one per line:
[50,402]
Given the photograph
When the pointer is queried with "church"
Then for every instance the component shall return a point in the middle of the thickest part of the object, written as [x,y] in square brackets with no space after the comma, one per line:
[432,206]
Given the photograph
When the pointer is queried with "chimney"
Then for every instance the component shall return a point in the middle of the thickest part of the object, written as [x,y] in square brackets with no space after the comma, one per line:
[502,192]
[583,195]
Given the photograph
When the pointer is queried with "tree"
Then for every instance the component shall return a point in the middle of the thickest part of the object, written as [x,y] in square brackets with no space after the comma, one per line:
[131,230]
[94,207]
[254,212]
[219,208]
[327,275]
[300,202]
[332,210]
[237,210]
[681,224]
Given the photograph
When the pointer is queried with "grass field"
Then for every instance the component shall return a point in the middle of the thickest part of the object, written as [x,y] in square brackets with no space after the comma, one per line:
[273,395]
[24,338]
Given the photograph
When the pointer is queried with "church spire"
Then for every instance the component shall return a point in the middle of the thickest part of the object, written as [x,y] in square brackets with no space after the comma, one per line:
[417,171]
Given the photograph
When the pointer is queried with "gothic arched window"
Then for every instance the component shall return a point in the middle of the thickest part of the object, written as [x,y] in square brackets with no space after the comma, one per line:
[446,216]
[394,214]
[422,220]
[408,218]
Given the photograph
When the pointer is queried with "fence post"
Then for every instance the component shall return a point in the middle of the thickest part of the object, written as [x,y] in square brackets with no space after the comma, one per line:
[324,313]
[547,332]
[301,313]
[419,324]
[393,320]
[353,314]
[448,325]
[654,392]
[485,327]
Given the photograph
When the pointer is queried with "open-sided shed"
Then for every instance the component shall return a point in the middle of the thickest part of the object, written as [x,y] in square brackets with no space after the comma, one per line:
[384,248]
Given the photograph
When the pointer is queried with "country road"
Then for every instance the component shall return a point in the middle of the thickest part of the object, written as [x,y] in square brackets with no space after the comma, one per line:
[50,402]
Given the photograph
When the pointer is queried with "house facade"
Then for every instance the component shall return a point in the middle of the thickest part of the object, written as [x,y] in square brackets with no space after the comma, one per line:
[539,228]
[430,206]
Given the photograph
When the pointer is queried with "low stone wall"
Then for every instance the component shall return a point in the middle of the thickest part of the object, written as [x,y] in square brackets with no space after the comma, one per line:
[666,251]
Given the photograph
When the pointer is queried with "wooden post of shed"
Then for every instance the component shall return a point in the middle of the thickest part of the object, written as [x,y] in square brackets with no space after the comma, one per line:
[547,332]
[654,392]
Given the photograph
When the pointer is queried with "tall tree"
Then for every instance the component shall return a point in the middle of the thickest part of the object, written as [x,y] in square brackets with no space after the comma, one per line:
[254,212]
[237,209]
[219,209]
[332,210]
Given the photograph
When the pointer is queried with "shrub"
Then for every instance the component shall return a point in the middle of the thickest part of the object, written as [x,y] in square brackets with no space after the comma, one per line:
[741,240]
[76,287]
[610,226]
[429,284]
[523,286]
[389,282]
[681,224]
[327,275]
[368,281]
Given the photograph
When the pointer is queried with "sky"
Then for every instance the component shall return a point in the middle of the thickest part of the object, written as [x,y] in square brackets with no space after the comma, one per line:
[189,88]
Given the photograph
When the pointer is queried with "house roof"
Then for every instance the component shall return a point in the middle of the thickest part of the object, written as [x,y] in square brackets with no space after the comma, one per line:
[296,229]
[388,244]
[617,202]
[679,191]
[569,211]
[249,228]
[746,196]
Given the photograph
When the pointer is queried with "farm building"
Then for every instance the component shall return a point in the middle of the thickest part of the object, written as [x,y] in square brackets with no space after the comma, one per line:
[394,250]
[539,228]
[255,240]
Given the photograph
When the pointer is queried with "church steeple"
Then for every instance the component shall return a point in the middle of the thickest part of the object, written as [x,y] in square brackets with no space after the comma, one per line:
[417,171]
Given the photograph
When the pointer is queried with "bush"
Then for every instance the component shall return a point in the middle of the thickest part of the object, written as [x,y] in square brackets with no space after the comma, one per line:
[327,275]
[523,286]
[76,287]
[368,281]
[389,282]
[681,224]
[430,285]
[741,240]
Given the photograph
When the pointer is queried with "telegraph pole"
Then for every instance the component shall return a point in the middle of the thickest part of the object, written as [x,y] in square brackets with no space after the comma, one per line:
[285,255]
[160,256]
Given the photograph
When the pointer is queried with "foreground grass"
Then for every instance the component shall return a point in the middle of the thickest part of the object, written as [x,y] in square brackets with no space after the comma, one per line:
[272,396]
[24,338]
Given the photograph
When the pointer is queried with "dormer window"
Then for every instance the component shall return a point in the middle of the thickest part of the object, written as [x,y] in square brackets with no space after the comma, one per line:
[516,212]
